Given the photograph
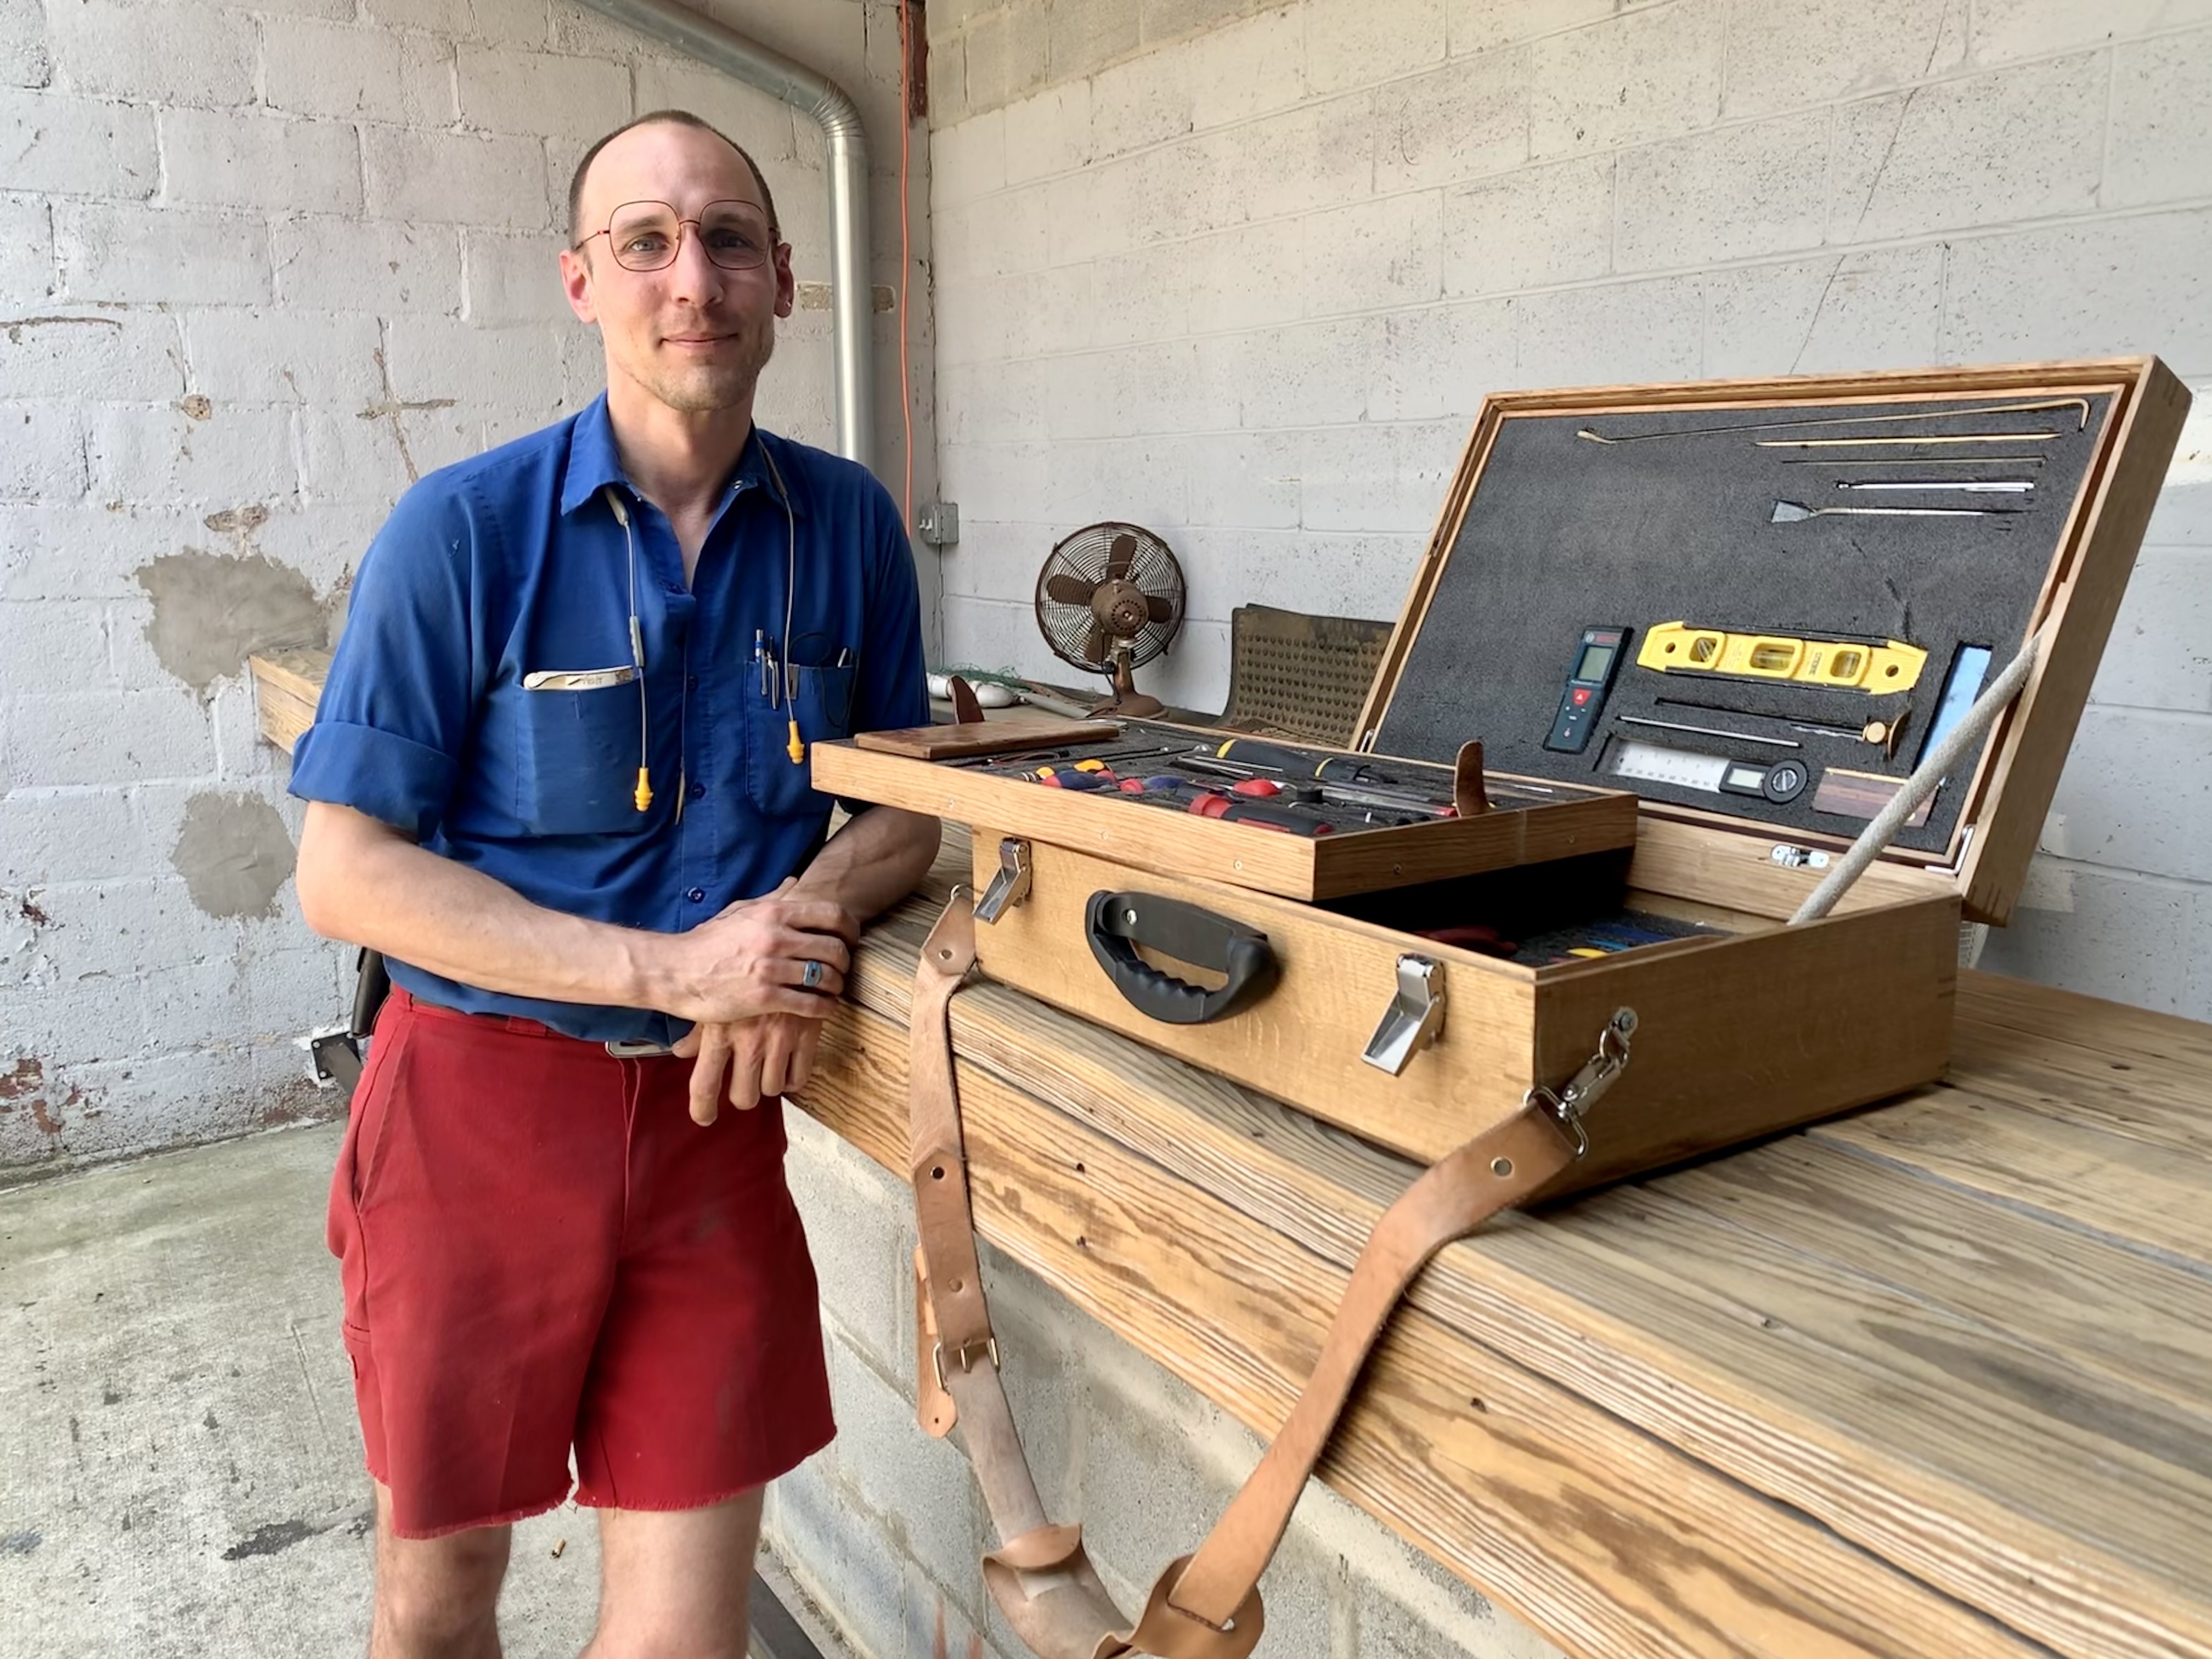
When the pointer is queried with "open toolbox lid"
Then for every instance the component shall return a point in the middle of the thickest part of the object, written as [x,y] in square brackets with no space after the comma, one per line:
[1839,596]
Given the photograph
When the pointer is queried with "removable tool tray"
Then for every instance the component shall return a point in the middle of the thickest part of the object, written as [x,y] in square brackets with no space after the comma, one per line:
[1531,821]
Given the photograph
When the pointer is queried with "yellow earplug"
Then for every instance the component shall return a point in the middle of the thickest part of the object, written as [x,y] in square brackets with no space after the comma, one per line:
[795,748]
[644,796]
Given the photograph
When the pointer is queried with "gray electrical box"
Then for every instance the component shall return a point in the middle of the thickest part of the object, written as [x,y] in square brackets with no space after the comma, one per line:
[938,523]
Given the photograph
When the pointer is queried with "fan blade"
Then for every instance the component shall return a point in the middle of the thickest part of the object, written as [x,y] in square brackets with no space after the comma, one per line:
[1094,647]
[1120,557]
[1162,609]
[1068,588]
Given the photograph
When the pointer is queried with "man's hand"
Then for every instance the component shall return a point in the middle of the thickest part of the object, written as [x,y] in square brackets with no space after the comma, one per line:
[754,959]
[770,1054]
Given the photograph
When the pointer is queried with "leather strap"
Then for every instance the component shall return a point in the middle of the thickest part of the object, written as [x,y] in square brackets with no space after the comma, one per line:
[1206,1605]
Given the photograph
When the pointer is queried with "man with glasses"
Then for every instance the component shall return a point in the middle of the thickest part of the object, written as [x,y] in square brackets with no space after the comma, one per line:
[559,777]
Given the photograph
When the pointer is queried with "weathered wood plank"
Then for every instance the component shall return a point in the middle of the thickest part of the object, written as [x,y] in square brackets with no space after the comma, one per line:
[1599,1534]
[2123,1187]
[286,686]
[2119,1317]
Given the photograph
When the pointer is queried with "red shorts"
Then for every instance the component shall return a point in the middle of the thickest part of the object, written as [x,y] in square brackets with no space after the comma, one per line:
[542,1251]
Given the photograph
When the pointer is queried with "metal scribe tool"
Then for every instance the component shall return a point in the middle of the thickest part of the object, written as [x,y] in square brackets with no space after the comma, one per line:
[1797,512]
[1979,486]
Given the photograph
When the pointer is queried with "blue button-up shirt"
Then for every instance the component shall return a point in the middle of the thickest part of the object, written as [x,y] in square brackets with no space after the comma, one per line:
[482,698]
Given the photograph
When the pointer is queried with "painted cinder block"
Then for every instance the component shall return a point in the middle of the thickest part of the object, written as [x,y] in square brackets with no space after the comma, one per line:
[1733,193]
[2135,791]
[1483,25]
[2128,284]
[240,158]
[1082,40]
[1467,120]
[514,278]
[1654,72]
[1355,43]
[1649,330]
[283,354]
[2005,30]
[515,369]
[2112,933]
[211,456]
[455,177]
[1372,255]
[1840,312]
[199,56]
[539,92]
[2161,652]
[2029,138]
[161,256]
[121,353]
[1529,228]
[60,145]
[2161,131]
[510,22]
[312,66]
[59,737]
[1816,51]
[42,456]
[330,262]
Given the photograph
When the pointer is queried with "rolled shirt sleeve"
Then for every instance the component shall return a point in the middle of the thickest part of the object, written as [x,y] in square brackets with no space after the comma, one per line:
[392,721]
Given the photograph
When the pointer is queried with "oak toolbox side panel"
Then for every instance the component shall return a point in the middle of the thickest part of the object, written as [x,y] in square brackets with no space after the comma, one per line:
[1741,1038]
[1301,1040]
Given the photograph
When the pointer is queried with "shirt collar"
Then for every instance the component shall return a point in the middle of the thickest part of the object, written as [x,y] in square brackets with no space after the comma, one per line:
[593,464]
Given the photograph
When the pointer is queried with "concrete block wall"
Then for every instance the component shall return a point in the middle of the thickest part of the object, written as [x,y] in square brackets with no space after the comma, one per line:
[260,265]
[1242,272]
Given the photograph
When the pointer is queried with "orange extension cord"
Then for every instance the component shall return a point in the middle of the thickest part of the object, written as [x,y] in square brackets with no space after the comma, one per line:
[906,256]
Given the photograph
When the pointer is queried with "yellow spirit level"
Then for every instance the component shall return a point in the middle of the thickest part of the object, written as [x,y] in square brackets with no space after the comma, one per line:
[1677,647]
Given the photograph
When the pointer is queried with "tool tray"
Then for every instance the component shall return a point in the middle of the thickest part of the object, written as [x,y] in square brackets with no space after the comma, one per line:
[1413,984]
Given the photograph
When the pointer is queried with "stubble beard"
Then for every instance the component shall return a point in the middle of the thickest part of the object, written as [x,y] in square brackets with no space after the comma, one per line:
[709,387]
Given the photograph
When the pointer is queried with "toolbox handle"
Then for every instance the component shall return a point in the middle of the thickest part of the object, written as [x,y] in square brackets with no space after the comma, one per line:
[1117,923]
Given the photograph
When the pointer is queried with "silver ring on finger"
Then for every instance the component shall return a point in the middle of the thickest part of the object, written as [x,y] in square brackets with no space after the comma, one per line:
[812,977]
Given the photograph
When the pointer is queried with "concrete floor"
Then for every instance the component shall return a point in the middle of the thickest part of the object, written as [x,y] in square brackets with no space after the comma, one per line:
[179,1464]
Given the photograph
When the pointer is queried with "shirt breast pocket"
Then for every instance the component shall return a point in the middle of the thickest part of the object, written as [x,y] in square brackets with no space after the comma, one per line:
[577,763]
[822,699]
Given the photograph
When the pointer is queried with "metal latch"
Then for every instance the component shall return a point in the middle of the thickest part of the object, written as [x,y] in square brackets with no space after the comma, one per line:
[1599,1072]
[1010,885]
[1798,858]
[1413,1018]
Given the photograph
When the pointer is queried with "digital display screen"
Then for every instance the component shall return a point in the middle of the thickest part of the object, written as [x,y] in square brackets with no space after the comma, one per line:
[1596,659]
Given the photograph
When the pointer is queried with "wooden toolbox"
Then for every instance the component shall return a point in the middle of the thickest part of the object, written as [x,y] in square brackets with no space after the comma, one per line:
[1703,632]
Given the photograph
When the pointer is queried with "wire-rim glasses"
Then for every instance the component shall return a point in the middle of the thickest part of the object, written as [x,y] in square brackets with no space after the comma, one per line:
[648,235]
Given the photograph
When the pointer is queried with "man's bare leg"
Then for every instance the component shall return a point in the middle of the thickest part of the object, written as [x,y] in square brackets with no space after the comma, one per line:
[675,1582]
[436,1598]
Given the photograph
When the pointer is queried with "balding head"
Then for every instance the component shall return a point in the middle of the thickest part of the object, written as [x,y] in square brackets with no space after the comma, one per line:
[587,204]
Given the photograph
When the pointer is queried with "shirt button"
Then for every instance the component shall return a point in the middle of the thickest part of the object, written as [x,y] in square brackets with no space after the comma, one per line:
[696,895]
[697,790]
[691,682]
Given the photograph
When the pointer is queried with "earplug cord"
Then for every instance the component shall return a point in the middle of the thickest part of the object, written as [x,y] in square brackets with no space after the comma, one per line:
[795,747]
[643,794]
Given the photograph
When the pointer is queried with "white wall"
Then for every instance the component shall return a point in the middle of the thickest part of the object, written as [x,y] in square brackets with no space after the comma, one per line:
[232,239]
[1247,280]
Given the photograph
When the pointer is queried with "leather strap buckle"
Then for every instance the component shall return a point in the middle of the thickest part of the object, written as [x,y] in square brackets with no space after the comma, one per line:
[989,1345]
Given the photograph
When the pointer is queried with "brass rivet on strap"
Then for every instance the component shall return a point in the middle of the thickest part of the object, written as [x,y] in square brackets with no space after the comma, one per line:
[957,1286]
[1501,1167]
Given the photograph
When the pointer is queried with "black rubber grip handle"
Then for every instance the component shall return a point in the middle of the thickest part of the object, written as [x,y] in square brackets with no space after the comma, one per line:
[1117,923]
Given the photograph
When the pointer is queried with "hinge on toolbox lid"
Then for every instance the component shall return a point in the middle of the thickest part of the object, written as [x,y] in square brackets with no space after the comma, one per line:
[1414,1017]
[1010,885]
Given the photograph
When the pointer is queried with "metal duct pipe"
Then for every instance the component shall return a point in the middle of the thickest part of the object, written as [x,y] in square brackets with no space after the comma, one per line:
[851,295]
